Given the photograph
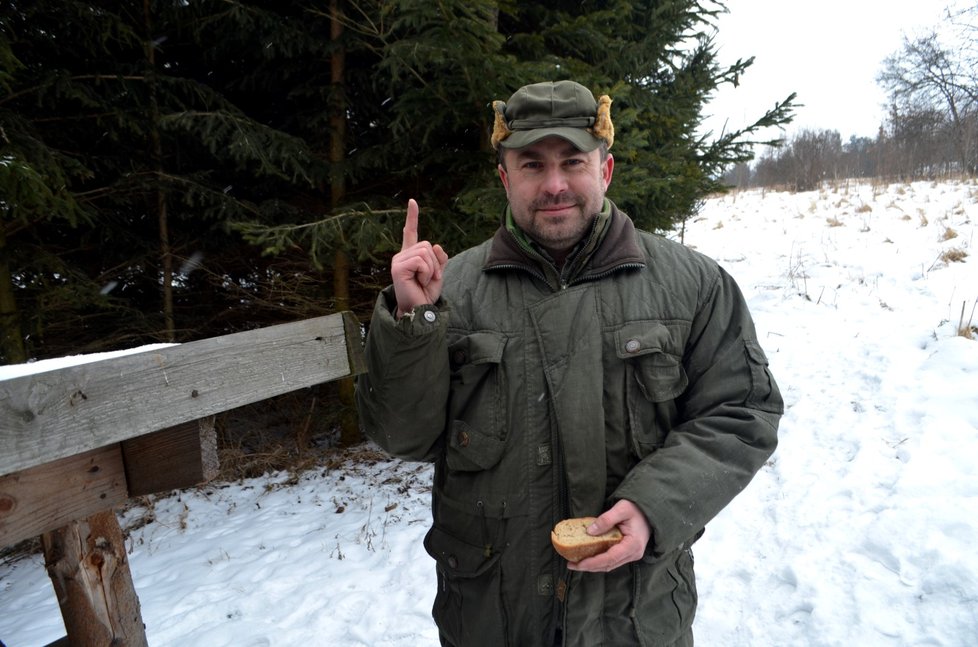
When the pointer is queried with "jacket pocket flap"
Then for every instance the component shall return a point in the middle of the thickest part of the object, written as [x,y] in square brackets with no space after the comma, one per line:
[764,393]
[471,450]
[655,351]
[648,337]
[456,557]
[483,347]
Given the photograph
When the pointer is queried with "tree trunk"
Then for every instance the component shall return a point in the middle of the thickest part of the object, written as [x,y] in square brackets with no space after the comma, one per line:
[11,337]
[86,561]
[166,253]
[349,424]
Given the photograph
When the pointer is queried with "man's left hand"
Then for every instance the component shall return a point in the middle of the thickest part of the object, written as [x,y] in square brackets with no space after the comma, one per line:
[635,528]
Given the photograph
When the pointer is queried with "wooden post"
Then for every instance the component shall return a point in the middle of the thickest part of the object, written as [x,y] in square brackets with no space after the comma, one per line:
[87,563]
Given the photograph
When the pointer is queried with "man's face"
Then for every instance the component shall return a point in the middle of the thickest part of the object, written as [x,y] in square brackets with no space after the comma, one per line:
[555,191]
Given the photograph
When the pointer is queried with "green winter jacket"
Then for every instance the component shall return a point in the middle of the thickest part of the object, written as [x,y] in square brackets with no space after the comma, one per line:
[637,375]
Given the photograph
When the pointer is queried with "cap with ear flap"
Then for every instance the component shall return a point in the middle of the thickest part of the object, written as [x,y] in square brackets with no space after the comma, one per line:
[563,109]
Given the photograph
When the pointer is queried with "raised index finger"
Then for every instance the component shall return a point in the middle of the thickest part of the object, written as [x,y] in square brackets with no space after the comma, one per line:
[410,238]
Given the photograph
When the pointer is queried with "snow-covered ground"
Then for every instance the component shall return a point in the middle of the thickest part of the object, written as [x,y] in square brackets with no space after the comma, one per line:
[860,531]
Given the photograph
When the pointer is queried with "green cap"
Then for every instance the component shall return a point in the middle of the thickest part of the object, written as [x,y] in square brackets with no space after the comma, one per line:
[562,109]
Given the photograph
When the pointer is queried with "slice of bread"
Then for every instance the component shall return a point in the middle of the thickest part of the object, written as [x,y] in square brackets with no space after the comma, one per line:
[571,541]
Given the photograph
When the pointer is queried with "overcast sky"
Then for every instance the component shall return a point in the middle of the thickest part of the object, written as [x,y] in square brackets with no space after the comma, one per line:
[829,52]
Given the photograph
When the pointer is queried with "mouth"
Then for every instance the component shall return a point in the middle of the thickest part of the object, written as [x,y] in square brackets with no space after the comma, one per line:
[556,209]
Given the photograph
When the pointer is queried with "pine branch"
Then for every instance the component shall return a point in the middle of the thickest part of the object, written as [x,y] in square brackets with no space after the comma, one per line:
[81,77]
[246,141]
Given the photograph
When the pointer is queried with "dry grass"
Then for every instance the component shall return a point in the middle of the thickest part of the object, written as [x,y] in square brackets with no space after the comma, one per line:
[289,432]
[954,255]
[948,234]
[834,222]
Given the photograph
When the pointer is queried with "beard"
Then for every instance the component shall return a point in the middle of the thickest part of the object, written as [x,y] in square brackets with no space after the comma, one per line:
[558,234]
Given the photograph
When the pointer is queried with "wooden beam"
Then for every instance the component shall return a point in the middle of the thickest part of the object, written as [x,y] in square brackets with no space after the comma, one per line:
[354,343]
[51,415]
[87,564]
[49,496]
[171,459]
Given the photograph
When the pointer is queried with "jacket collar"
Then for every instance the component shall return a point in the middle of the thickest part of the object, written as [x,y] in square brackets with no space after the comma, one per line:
[617,248]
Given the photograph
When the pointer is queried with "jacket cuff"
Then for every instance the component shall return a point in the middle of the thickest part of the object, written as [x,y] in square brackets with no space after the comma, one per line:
[422,320]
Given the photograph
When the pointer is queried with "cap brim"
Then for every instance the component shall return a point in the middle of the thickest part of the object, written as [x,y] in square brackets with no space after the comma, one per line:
[580,138]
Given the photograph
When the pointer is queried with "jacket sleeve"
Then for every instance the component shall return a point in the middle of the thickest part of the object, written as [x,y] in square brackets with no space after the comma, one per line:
[726,427]
[402,396]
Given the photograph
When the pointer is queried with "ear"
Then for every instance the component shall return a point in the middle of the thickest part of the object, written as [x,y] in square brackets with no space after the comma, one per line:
[607,170]
[503,177]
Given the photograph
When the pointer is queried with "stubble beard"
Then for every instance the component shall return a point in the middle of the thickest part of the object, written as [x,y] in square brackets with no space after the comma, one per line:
[563,235]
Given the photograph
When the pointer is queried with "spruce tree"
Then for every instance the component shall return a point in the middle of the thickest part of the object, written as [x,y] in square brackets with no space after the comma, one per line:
[420,123]
[127,159]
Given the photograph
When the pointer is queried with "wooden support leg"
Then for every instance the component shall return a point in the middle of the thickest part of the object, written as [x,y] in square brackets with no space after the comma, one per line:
[87,563]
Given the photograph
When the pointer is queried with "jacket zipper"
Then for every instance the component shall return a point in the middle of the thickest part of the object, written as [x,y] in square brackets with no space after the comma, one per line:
[561,509]
[606,273]
[563,285]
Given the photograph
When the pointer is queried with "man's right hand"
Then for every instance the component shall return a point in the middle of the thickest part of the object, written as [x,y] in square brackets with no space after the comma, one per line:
[417,270]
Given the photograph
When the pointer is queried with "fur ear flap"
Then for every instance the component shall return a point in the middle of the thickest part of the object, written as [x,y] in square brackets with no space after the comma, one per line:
[500,130]
[603,128]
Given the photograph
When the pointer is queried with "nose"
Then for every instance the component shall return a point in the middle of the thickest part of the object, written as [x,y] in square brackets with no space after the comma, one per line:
[554,181]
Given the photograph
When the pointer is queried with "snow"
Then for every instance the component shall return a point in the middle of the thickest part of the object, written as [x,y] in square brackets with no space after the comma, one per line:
[860,530]
[32,368]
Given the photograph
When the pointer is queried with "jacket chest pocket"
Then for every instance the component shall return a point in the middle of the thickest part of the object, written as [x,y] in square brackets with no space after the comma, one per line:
[654,378]
[476,430]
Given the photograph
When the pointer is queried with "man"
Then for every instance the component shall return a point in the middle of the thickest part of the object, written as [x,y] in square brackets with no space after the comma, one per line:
[570,366]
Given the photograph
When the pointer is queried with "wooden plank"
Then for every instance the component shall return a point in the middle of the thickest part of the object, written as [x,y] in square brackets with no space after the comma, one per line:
[51,415]
[354,343]
[49,496]
[171,459]
[89,570]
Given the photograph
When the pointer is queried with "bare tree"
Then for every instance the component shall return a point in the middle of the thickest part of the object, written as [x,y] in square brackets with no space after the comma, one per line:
[925,78]
[816,156]
[808,159]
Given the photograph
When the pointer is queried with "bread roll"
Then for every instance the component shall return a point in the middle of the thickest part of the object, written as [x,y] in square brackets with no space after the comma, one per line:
[571,541]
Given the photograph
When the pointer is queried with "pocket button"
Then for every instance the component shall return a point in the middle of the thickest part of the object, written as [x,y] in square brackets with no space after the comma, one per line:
[632,346]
